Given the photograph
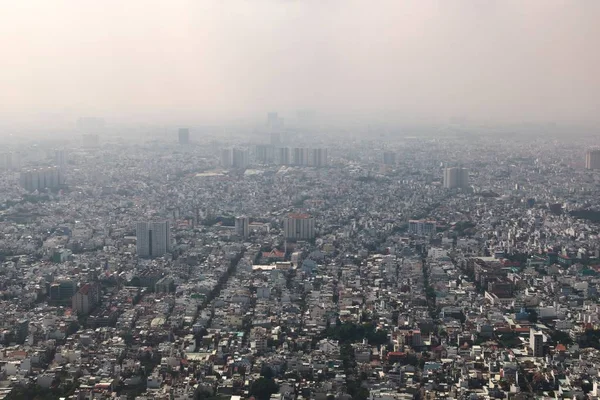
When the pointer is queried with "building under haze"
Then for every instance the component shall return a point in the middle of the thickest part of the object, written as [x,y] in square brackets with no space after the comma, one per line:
[242,226]
[9,161]
[264,154]
[456,177]
[184,136]
[299,227]
[153,239]
[421,227]
[592,159]
[389,158]
[60,158]
[32,179]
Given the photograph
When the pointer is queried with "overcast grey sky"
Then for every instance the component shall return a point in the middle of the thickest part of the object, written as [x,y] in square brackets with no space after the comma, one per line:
[504,60]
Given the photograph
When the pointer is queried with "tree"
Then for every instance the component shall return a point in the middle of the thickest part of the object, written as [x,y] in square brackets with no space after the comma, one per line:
[533,316]
[263,388]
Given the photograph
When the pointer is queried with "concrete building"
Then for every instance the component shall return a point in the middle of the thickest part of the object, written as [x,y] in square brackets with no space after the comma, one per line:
[86,298]
[421,227]
[153,239]
[60,158]
[41,178]
[456,177]
[241,158]
[242,226]
[299,226]
[300,156]
[536,343]
[264,154]
[283,156]
[592,159]
[9,161]
[318,158]
[184,136]
[227,158]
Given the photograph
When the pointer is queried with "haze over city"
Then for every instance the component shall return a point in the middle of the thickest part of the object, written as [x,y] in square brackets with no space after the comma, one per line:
[197,61]
[299,200]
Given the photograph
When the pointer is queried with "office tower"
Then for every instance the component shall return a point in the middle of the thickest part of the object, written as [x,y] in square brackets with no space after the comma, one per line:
[264,154]
[273,121]
[299,226]
[90,140]
[456,177]
[389,158]
[300,156]
[62,291]
[241,158]
[242,226]
[60,159]
[153,239]
[283,156]
[184,136]
[421,227]
[536,343]
[318,158]
[9,161]
[592,159]
[41,178]
[227,158]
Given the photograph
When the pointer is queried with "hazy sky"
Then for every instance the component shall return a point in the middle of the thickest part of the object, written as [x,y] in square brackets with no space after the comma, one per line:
[170,60]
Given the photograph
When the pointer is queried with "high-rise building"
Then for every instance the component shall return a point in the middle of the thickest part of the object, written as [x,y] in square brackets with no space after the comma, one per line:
[227,158]
[153,239]
[86,298]
[241,158]
[300,156]
[242,226]
[9,161]
[275,138]
[60,159]
[184,136]
[421,227]
[274,121]
[264,154]
[318,158]
[299,226]
[592,159]
[283,156]
[41,178]
[456,177]
[389,158]
[536,343]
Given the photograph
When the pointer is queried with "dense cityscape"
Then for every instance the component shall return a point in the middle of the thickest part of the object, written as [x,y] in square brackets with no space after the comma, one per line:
[289,265]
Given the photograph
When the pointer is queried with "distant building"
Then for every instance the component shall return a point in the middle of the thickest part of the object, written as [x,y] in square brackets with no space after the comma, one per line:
[318,158]
[389,158]
[536,343]
[86,298]
[241,158]
[242,226]
[456,177]
[421,227]
[299,226]
[9,161]
[592,159]
[60,159]
[184,136]
[41,178]
[227,158]
[264,154]
[62,291]
[274,121]
[153,239]
[283,156]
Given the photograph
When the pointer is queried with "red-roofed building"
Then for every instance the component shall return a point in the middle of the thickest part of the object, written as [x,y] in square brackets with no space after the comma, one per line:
[86,298]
